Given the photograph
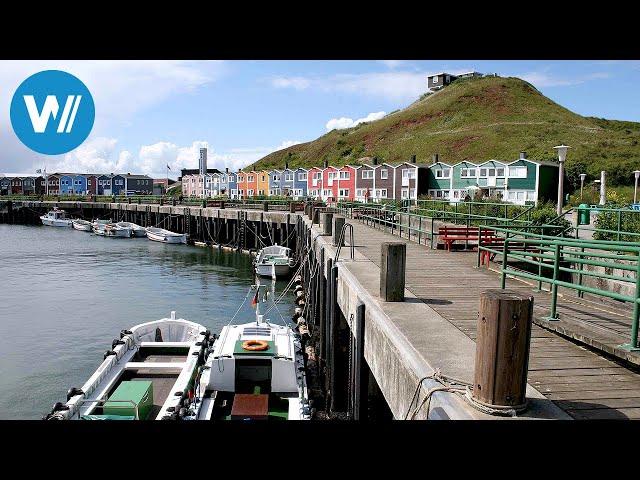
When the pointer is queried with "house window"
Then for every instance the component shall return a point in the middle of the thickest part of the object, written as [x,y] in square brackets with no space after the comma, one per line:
[443,173]
[518,172]
[381,193]
[250,193]
[367,174]
[500,172]
[276,178]
[345,175]
[483,172]
[492,172]
[250,178]
[384,174]
[327,193]
[405,193]
[434,80]
[343,192]
[288,177]
[302,177]
[360,192]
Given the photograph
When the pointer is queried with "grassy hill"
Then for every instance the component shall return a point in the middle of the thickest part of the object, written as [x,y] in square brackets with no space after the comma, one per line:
[478,119]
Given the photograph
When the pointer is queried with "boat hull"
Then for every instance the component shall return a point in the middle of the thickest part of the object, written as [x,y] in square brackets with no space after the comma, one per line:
[136,230]
[49,222]
[113,233]
[265,270]
[82,227]
[164,236]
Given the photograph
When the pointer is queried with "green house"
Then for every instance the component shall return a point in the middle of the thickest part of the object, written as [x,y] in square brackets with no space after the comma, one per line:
[518,181]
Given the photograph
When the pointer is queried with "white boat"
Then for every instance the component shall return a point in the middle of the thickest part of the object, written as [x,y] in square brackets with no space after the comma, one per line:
[99,221]
[82,225]
[136,230]
[274,261]
[56,218]
[255,372]
[162,235]
[150,373]
[111,230]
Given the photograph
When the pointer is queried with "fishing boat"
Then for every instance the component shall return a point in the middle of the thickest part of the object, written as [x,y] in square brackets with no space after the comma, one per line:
[161,235]
[255,372]
[99,221]
[111,230]
[136,230]
[274,261]
[56,218]
[82,225]
[150,373]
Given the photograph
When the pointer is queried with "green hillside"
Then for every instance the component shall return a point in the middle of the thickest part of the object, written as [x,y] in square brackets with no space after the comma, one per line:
[478,119]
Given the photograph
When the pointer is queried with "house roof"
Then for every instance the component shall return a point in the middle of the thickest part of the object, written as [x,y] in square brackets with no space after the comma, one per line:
[442,73]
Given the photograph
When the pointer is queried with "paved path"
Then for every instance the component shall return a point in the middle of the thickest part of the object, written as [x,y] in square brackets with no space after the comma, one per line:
[579,380]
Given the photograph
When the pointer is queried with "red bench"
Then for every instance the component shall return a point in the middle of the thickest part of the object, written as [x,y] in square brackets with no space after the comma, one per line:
[467,234]
[497,243]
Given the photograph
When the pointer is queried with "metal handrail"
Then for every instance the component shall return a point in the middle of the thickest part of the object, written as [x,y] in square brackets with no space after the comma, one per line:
[547,252]
[341,241]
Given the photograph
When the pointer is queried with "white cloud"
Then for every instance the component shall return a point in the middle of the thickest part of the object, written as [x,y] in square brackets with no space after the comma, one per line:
[344,122]
[395,85]
[543,79]
[392,63]
[297,83]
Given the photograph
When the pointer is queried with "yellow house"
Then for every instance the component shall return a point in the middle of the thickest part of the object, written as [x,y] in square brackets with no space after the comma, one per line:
[262,186]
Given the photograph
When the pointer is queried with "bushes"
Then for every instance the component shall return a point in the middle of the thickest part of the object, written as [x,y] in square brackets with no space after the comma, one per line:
[623,220]
[544,215]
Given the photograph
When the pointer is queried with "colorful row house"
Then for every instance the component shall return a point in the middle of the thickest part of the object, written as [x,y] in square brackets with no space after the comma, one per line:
[288,183]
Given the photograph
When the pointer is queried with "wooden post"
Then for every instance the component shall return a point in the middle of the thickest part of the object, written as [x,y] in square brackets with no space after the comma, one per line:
[265,206]
[326,221]
[392,271]
[316,216]
[292,207]
[338,224]
[360,374]
[502,349]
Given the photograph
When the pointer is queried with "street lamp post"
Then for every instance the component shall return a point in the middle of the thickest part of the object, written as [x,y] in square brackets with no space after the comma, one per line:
[636,173]
[582,177]
[562,156]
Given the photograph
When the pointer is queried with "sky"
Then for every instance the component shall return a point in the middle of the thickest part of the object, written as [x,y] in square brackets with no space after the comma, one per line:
[150,114]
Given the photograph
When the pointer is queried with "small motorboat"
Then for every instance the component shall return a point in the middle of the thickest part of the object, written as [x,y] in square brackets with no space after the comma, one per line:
[82,225]
[56,218]
[111,230]
[162,235]
[136,230]
[274,261]
[99,221]
[152,372]
[255,372]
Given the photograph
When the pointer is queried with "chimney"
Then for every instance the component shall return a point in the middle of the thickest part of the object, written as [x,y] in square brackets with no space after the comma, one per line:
[286,165]
[413,159]
[523,155]
[226,170]
[435,158]
[375,160]
[239,169]
[326,164]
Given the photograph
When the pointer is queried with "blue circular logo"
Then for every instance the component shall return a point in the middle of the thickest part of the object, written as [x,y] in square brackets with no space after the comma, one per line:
[52,112]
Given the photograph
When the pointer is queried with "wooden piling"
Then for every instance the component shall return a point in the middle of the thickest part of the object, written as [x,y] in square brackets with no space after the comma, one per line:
[392,271]
[326,222]
[502,349]
[360,373]
[338,225]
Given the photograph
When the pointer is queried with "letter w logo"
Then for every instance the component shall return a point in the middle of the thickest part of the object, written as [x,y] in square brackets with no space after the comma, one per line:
[40,120]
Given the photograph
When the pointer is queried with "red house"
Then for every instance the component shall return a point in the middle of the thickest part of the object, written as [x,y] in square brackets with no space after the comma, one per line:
[346,188]
[315,182]
[330,184]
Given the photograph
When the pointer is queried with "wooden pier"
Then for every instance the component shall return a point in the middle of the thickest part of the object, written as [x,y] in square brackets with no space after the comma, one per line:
[583,382]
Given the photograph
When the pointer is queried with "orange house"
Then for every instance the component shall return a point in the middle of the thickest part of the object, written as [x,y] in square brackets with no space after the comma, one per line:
[252,184]
[242,184]
[262,185]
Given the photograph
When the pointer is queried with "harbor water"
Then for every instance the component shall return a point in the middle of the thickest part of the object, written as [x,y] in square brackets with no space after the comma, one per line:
[65,295]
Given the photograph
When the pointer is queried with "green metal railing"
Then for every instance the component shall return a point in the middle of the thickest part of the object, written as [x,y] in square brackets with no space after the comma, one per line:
[565,259]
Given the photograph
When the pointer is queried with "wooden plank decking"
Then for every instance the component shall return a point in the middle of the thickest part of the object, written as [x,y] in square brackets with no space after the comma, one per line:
[579,380]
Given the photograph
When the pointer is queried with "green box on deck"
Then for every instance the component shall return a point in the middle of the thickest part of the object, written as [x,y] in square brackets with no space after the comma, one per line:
[269,352]
[127,396]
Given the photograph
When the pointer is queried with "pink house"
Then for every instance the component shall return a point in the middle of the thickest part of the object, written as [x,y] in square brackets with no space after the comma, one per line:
[315,182]
[330,184]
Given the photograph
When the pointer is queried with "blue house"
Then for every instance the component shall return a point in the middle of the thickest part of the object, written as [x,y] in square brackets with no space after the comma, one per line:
[66,184]
[231,180]
[300,183]
[79,184]
[118,185]
[104,185]
[275,181]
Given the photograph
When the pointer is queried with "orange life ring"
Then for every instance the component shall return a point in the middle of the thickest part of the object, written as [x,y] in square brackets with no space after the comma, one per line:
[255,345]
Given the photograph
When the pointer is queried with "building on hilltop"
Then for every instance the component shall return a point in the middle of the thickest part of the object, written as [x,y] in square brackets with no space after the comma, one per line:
[442,79]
